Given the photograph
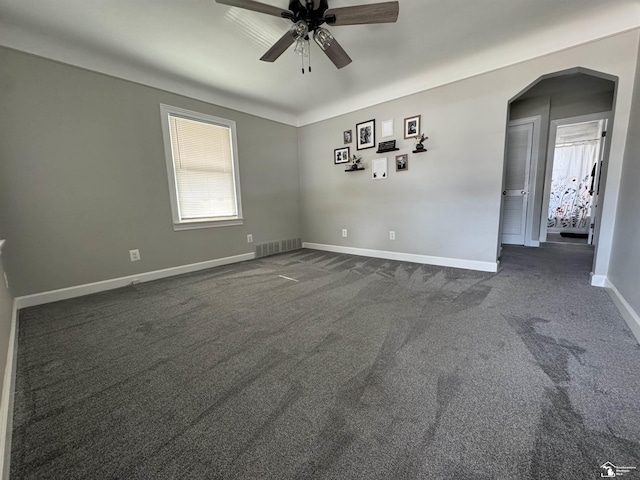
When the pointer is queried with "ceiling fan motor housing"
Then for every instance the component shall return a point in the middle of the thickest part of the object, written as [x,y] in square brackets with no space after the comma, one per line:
[306,13]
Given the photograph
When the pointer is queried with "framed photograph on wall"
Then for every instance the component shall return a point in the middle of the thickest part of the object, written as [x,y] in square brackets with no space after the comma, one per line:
[347,135]
[341,155]
[366,134]
[402,163]
[412,126]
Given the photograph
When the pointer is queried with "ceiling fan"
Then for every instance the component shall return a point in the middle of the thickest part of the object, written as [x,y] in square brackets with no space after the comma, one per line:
[308,16]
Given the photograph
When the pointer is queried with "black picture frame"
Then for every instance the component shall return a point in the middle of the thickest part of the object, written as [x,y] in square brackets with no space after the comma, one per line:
[347,136]
[412,126]
[341,155]
[366,135]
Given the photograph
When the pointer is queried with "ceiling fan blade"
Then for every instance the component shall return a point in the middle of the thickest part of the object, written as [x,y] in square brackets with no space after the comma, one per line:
[337,55]
[386,12]
[278,48]
[257,7]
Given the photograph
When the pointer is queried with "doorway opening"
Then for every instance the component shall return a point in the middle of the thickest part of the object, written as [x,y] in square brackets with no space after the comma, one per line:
[575,177]
[557,124]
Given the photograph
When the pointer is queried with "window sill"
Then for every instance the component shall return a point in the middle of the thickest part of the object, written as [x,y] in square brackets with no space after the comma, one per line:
[210,224]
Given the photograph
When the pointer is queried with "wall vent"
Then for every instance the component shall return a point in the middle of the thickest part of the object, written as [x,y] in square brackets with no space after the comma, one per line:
[279,246]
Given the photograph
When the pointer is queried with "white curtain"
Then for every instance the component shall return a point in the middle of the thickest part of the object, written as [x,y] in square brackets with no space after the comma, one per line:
[570,202]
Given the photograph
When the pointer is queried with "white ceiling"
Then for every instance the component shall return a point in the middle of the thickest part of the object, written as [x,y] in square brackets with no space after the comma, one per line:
[210,51]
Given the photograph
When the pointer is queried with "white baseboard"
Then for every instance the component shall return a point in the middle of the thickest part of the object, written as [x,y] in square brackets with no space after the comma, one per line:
[407,257]
[89,288]
[598,280]
[6,402]
[628,313]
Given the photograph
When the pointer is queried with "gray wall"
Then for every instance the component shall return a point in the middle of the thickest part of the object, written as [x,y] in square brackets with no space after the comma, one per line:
[624,270]
[446,195]
[448,202]
[83,178]
[6,308]
[567,106]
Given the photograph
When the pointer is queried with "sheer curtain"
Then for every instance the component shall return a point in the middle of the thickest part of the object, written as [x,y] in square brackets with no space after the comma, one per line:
[573,166]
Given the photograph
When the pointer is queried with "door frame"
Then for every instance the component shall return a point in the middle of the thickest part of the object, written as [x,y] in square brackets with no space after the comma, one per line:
[596,202]
[536,120]
[551,149]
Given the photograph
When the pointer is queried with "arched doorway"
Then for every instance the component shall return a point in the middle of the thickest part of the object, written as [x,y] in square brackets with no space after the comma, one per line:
[552,102]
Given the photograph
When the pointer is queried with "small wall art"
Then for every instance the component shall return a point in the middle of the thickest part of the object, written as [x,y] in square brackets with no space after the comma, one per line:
[379,169]
[412,126]
[341,155]
[387,128]
[348,136]
[366,134]
[402,163]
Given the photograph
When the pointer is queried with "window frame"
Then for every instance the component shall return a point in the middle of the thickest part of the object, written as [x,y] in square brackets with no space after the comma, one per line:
[190,224]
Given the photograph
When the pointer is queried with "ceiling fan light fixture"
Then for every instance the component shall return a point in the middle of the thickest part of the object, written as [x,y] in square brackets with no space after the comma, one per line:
[302,46]
[300,29]
[323,38]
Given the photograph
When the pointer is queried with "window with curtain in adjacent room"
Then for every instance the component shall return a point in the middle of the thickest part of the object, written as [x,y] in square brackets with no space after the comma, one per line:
[202,166]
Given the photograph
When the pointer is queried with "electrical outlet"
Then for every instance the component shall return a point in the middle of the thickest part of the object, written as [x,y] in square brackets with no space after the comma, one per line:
[344,232]
[249,238]
[392,235]
[134,255]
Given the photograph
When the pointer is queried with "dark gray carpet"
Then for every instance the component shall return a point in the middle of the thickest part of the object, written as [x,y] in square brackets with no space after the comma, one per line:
[360,369]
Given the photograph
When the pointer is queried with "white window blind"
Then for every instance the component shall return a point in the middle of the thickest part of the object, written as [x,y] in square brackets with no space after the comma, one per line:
[203,168]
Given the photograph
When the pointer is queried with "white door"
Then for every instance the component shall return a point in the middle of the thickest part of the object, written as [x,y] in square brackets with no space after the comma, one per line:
[516,184]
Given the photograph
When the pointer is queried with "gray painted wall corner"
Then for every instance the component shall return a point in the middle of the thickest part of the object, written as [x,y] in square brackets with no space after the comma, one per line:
[7,366]
[90,174]
[624,269]
[6,310]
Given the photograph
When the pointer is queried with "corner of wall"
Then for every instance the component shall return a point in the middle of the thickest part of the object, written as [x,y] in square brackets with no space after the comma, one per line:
[6,401]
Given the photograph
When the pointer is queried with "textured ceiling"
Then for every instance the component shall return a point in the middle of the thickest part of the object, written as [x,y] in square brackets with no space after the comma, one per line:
[210,51]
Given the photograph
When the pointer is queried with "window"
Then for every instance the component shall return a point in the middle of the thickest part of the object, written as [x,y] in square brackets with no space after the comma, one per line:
[202,166]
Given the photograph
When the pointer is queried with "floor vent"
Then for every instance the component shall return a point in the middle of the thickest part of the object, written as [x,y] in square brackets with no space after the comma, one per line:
[279,246]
